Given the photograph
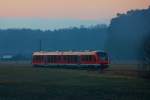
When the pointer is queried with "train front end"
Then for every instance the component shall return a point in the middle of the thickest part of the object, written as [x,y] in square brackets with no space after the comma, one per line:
[103,60]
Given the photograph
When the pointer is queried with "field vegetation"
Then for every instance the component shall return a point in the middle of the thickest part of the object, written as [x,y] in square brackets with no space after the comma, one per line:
[24,82]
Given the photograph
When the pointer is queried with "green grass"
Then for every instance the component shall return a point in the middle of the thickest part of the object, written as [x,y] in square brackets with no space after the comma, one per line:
[23,82]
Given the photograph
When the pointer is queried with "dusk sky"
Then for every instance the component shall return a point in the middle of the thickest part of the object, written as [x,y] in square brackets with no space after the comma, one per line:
[54,14]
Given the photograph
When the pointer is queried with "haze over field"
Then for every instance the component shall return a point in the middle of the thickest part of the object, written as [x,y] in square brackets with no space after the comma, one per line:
[54,14]
[125,23]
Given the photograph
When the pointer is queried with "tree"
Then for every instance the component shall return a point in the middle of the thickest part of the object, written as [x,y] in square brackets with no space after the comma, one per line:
[145,71]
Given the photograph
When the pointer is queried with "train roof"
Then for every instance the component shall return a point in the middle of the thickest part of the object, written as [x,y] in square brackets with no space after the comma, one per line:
[66,53]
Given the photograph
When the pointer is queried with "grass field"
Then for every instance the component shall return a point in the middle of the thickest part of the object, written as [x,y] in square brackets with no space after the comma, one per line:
[24,82]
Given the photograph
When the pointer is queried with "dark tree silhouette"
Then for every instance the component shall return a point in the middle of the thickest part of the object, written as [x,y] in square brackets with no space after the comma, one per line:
[145,71]
[127,33]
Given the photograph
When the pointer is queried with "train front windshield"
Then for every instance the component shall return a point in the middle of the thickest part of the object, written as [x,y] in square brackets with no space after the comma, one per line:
[103,56]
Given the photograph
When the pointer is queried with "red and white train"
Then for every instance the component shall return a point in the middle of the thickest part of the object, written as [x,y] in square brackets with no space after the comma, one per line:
[88,59]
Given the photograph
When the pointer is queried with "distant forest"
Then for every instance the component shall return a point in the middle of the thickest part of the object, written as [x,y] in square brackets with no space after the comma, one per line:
[26,41]
[123,39]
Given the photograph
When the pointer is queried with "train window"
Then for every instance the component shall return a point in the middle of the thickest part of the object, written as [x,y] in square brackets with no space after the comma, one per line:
[73,59]
[84,58]
[53,58]
[48,59]
[34,58]
[70,58]
[65,58]
[76,59]
[103,56]
[58,58]
[38,58]
[93,59]
[87,58]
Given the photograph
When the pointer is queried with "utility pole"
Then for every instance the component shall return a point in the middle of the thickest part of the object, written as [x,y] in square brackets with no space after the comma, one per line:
[40,45]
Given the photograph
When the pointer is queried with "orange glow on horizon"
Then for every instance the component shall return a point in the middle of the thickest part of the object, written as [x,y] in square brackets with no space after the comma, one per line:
[76,9]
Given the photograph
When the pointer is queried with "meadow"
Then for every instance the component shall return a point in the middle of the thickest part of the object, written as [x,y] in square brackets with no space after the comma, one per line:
[24,82]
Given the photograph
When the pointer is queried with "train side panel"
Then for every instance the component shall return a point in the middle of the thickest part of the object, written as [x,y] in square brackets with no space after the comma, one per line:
[97,59]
